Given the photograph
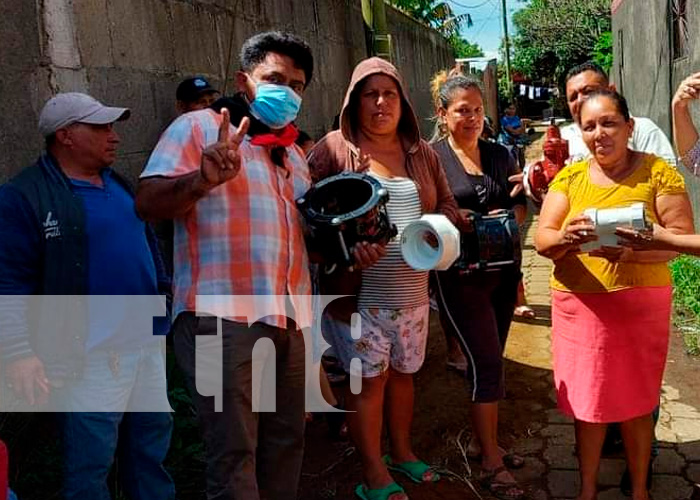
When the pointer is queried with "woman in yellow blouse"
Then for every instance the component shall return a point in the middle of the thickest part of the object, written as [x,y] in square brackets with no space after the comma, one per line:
[610,307]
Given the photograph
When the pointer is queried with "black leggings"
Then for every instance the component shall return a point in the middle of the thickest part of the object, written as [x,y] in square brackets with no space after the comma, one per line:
[477,310]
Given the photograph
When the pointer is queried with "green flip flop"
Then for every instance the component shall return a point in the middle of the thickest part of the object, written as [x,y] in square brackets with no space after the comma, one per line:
[414,470]
[385,493]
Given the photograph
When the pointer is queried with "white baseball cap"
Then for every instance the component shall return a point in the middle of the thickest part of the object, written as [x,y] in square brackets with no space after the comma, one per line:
[73,107]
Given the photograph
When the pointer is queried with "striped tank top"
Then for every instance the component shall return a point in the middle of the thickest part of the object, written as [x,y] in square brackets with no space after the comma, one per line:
[390,283]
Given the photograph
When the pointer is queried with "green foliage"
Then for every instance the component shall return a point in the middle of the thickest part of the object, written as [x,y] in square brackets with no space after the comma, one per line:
[551,36]
[685,272]
[603,51]
[441,17]
[503,91]
[437,15]
[463,48]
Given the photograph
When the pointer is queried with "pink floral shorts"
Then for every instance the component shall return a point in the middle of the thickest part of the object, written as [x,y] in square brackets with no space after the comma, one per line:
[393,338]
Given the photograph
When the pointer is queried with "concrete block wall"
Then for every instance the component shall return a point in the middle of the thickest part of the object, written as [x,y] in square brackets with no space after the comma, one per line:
[134,53]
[418,54]
[22,80]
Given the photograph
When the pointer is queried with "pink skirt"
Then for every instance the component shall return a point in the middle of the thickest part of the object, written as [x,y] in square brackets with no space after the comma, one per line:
[609,352]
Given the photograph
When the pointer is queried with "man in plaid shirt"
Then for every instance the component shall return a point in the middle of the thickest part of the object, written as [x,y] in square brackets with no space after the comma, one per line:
[229,176]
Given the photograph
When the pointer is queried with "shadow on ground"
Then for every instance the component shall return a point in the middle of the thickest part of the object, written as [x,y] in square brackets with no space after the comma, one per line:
[332,469]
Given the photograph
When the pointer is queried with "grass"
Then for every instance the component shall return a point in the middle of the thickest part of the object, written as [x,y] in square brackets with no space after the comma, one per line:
[685,271]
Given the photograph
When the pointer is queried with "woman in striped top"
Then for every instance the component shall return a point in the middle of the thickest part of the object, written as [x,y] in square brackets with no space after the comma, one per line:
[379,133]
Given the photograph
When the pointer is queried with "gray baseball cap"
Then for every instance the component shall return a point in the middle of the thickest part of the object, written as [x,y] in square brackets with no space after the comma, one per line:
[73,107]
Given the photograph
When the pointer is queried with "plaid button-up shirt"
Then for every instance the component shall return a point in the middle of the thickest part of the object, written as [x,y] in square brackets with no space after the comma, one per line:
[245,237]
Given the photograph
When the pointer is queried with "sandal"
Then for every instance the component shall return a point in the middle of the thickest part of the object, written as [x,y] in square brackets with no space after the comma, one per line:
[500,489]
[696,492]
[525,312]
[386,493]
[510,459]
[416,471]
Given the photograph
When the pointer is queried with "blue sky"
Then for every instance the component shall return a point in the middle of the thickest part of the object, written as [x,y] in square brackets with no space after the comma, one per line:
[486,15]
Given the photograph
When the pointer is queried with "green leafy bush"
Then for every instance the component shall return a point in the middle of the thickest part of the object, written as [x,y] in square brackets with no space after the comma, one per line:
[685,271]
[603,51]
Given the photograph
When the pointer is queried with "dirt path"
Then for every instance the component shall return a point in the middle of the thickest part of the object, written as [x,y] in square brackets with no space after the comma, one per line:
[331,469]
[530,423]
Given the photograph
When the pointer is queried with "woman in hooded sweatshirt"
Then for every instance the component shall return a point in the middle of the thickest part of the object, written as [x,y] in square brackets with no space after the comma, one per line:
[379,134]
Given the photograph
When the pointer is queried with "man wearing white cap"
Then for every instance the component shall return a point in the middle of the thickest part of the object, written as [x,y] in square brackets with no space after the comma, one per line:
[68,228]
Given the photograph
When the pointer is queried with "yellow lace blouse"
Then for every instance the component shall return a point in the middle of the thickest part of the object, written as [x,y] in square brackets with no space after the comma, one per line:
[586,274]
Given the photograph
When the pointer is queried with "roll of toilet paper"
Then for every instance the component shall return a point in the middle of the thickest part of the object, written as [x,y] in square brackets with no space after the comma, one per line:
[608,219]
[432,242]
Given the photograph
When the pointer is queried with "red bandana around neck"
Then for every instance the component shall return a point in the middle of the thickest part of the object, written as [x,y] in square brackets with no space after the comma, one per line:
[284,139]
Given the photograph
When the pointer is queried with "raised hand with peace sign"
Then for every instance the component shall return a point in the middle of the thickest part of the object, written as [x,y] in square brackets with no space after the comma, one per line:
[161,198]
[222,160]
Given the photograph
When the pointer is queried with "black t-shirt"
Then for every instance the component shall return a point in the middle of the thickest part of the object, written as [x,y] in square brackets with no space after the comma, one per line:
[481,193]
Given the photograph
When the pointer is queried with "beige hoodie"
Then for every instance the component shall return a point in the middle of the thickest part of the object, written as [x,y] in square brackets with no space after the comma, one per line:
[338,152]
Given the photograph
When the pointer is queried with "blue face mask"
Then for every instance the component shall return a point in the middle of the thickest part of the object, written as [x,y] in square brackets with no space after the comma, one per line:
[275,105]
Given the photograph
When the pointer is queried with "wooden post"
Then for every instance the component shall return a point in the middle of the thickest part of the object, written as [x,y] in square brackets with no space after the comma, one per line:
[379,39]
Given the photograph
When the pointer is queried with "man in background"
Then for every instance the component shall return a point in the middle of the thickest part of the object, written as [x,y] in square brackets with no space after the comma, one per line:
[194,94]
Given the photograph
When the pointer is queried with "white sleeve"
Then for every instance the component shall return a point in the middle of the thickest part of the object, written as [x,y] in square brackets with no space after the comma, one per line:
[577,148]
[649,138]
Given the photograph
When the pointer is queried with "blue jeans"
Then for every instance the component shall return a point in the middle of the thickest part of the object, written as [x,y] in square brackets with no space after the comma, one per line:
[90,439]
